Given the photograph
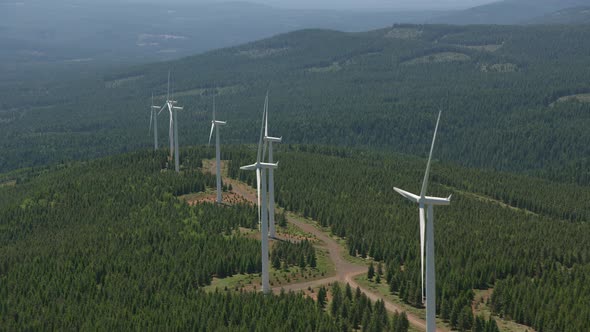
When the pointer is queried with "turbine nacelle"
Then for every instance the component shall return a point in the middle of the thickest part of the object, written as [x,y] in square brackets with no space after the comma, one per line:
[426,200]
[260,165]
[273,139]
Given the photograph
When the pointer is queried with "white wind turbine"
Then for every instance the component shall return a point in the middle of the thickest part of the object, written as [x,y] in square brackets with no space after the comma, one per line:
[260,168]
[271,181]
[154,119]
[428,201]
[173,128]
[215,126]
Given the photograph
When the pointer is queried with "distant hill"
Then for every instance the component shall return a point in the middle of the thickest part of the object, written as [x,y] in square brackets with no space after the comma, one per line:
[83,34]
[576,15]
[507,12]
[501,89]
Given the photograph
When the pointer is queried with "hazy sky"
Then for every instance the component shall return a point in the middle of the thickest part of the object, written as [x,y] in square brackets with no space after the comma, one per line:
[375,4]
[352,4]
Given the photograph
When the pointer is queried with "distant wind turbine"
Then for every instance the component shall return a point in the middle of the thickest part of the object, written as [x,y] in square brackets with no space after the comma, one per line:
[260,168]
[271,181]
[154,119]
[429,201]
[215,126]
[173,127]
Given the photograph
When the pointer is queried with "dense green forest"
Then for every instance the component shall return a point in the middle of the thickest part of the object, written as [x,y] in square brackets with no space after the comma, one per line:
[107,243]
[498,87]
[494,234]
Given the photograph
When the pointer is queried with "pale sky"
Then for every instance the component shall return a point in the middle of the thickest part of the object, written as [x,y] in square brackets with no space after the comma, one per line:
[349,4]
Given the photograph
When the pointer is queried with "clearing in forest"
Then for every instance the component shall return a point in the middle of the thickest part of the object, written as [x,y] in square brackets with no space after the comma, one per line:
[439,58]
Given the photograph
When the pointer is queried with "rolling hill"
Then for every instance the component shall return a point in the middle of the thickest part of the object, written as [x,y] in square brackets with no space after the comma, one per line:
[37,35]
[575,15]
[497,86]
[508,12]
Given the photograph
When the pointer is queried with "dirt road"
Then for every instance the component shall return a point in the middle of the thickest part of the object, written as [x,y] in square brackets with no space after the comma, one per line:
[345,271]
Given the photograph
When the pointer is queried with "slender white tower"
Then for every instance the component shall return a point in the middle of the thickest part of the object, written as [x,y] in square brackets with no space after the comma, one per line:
[173,126]
[154,118]
[215,126]
[260,168]
[271,182]
[428,201]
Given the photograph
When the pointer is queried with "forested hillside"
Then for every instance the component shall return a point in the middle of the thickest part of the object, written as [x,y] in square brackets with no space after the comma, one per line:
[108,244]
[500,89]
[531,250]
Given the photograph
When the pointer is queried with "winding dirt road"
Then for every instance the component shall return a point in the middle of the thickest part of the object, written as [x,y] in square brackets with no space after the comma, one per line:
[345,271]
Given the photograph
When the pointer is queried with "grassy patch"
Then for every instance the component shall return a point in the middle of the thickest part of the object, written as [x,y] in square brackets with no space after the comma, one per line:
[334,67]
[499,68]
[483,48]
[403,33]
[223,90]
[256,53]
[581,98]
[439,58]
[122,81]
[9,183]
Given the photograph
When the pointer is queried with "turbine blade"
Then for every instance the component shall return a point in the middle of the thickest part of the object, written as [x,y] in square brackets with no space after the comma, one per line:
[168,91]
[161,109]
[213,108]
[265,126]
[151,119]
[211,134]
[258,192]
[259,154]
[266,115]
[426,174]
[422,243]
[151,114]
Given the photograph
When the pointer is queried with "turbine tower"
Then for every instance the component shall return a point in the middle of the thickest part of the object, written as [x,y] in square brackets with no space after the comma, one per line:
[154,119]
[429,202]
[173,127]
[271,182]
[260,168]
[215,126]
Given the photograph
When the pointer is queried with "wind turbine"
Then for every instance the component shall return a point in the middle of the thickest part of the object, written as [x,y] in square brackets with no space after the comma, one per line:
[173,127]
[428,201]
[215,126]
[260,168]
[154,119]
[271,182]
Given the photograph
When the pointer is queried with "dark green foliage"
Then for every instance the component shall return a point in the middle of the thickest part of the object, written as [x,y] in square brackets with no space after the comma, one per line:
[281,219]
[322,293]
[400,322]
[300,254]
[480,238]
[106,243]
[375,99]
[357,312]
[371,271]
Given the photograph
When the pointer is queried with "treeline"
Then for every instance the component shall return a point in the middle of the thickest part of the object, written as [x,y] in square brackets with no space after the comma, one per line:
[285,254]
[480,240]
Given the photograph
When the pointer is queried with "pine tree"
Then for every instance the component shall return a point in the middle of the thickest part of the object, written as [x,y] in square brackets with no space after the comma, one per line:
[348,292]
[336,299]
[322,297]
[371,272]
